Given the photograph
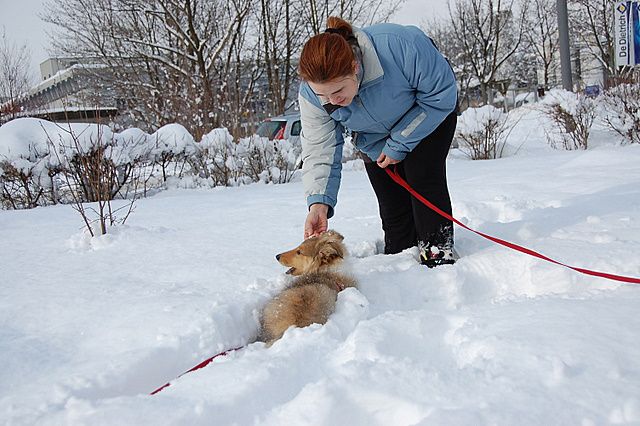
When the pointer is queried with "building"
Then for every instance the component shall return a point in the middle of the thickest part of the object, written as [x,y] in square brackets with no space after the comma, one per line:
[68,91]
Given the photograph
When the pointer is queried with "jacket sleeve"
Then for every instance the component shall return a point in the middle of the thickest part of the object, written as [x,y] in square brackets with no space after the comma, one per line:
[322,143]
[429,73]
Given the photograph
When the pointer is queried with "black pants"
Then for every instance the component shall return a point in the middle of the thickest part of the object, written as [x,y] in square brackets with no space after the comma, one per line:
[405,220]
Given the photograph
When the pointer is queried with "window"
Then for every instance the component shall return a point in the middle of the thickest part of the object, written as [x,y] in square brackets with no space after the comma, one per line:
[270,129]
[296,127]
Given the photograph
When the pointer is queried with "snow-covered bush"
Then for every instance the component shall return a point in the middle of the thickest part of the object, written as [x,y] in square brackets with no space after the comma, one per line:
[622,105]
[43,162]
[572,116]
[171,145]
[483,132]
[96,164]
[216,159]
[93,162]
[26,172]
[222,161]
[269,161]
[21,188]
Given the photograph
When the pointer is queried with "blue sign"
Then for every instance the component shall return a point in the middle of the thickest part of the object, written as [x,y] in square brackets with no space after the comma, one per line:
[592,91]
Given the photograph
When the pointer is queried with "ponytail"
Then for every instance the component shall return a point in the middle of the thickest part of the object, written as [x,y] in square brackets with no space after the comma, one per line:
[339,26]
[329,55]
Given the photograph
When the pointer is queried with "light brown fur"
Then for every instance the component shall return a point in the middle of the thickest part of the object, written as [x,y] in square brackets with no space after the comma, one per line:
[311,297]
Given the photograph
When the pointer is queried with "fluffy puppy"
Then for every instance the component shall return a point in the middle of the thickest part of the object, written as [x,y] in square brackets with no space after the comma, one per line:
[311,297]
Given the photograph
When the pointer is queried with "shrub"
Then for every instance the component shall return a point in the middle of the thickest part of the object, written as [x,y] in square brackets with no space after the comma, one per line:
[95,165]
[170,146]
[216,160]
[269,161]
[622,105]
[43,163]
[483,132]
[21,187]
[26,175]
[572,116]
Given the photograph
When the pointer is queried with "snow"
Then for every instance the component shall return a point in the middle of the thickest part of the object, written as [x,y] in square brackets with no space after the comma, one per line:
[474,119]
[28,141]
[90,326]
[172,138]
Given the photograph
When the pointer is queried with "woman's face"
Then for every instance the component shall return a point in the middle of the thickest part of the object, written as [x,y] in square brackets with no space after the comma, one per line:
[339,91]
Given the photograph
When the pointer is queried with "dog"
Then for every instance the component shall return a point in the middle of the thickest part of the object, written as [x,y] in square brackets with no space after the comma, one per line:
[311,297]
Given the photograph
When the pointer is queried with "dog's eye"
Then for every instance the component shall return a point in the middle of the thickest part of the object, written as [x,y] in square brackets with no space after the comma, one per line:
[298,252]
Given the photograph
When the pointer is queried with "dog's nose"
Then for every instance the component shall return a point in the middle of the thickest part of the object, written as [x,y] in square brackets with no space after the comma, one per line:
[277,257]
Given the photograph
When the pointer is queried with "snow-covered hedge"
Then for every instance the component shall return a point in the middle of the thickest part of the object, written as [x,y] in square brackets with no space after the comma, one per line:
[40,161]
[46,163]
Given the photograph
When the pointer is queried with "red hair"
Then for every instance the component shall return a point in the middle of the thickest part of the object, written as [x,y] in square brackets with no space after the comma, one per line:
[328,55]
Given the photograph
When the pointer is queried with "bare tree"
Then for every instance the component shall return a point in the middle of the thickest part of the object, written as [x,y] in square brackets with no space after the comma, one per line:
[543,36]
[242,92]
[281,34]
[358,12]
[442,32]
[15,76]
[164,56]
[489,33]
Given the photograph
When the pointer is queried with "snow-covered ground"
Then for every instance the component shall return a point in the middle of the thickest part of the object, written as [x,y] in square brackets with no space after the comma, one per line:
[90,326]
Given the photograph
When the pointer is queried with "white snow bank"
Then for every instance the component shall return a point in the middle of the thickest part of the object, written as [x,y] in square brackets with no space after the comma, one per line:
[32,139]
[91,326]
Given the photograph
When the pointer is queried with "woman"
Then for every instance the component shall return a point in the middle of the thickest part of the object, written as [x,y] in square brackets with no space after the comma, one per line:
[397,94]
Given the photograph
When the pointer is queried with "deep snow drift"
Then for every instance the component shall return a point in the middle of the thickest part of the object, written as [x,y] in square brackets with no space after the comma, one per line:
[91,326]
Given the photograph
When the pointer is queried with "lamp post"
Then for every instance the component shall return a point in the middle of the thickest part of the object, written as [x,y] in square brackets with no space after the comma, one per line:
[565,53]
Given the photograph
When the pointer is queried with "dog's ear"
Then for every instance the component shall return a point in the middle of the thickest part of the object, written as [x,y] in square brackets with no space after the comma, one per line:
[330,251]
[331,236]
[331,248]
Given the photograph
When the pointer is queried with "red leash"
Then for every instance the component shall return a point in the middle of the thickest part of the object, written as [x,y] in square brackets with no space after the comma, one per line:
[400,181]
[197,367]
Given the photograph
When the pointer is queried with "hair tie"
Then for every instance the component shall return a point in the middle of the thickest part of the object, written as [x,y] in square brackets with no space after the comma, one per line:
[334,31]
[343,33]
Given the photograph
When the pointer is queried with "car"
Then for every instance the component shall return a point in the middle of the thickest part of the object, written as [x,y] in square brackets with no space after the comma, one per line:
[281,127]
[288,127]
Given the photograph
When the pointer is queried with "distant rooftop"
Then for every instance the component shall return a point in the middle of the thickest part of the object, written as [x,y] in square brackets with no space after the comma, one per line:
[52,66]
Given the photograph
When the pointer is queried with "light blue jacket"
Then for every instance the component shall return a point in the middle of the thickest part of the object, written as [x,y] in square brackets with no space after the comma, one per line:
[407,89]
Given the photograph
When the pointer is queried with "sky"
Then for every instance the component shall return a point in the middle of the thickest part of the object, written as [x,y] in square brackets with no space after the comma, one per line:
[414,12]
[23,24]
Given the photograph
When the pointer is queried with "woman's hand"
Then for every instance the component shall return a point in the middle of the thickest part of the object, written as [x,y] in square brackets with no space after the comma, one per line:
[384,161]
[317,221]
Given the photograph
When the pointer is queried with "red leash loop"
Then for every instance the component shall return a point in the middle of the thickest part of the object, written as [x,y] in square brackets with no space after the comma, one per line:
[400,181]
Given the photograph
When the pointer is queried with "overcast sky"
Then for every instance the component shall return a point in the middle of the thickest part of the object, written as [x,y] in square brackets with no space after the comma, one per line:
[23,25]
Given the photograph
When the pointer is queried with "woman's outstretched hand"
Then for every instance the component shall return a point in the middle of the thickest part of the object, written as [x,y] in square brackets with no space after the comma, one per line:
[317,221]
